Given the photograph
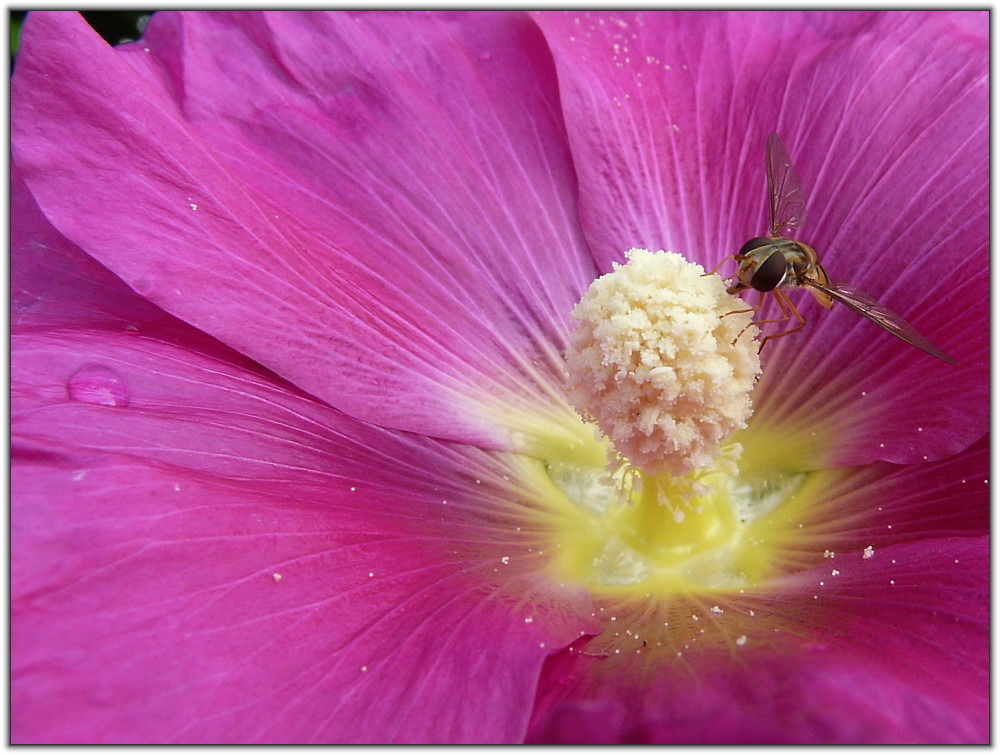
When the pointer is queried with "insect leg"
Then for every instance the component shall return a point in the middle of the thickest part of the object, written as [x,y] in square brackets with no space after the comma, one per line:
[760,304]
[788,310]
[716,268]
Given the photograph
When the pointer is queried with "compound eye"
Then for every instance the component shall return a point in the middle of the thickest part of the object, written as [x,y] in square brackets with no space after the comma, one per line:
[754,243]
[770,272]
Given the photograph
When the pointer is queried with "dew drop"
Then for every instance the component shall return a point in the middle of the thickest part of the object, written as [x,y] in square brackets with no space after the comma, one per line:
[98,384]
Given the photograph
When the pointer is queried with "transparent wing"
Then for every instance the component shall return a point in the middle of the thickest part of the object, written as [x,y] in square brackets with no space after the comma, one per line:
[784,191]
[882,316]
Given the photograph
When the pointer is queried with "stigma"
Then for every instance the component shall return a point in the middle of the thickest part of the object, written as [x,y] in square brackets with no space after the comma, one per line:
[661,363]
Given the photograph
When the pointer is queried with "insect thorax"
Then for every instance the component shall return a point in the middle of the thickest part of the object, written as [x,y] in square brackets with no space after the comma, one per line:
[801,260]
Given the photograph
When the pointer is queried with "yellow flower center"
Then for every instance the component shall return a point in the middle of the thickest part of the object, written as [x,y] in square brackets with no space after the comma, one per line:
[712,529]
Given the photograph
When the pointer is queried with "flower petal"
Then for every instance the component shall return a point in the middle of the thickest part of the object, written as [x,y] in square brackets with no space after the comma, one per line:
[886,118]
[161,482]
[411,235]
[218,558]
[54,284]
[870,661]
[885,504]
[157,606]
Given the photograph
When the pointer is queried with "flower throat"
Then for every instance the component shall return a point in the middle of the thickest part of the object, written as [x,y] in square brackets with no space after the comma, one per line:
[664,369]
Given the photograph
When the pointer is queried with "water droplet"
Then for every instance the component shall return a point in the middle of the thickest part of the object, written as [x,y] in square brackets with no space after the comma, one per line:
[98,384]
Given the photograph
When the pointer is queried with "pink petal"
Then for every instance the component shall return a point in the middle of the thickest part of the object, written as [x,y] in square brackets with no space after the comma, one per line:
[54,284]
[354,201]
[886,118]
[147,533]
[884,504]
[869,661]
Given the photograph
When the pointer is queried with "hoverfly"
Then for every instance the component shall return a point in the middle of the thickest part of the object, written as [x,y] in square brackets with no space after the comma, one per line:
[770,263]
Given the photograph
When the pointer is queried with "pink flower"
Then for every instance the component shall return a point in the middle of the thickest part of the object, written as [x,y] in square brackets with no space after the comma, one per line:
[290,294]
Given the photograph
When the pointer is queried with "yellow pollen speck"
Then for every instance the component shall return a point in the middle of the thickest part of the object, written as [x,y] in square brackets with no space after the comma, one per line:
[869,551]
[741,640]
[276,577]
[652,360]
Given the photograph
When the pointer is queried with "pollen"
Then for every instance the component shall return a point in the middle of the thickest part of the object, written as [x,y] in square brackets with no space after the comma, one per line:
[660,362]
